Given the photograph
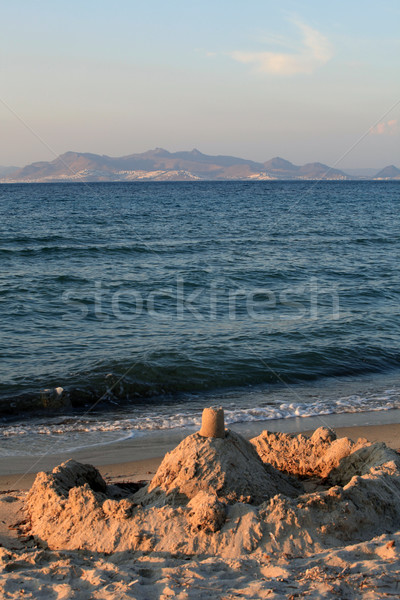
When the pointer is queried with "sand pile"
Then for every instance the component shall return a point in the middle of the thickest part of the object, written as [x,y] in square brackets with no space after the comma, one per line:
[299,455]
[214,496]
[322,457]
[228,467]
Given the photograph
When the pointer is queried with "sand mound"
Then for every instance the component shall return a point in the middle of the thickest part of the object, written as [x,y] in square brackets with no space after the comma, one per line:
[215,497]
[322,456]
[228,468]
[293,454]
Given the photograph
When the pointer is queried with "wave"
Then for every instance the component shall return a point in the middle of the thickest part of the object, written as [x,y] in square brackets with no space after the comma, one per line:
[70,249]
[166,375]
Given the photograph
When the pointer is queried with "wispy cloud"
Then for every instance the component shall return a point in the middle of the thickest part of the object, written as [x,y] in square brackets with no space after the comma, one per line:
[314,52]
[385,128]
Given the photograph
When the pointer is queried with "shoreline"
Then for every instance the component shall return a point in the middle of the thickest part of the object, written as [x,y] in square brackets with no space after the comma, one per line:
[115,461]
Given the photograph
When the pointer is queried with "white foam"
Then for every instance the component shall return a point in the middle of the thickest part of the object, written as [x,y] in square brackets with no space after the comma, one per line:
[70,433]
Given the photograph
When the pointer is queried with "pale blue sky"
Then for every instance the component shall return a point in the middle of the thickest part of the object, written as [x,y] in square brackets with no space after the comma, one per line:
[302,80]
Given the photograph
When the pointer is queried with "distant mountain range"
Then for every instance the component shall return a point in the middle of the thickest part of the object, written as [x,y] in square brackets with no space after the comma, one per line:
[5,171]
[161,165]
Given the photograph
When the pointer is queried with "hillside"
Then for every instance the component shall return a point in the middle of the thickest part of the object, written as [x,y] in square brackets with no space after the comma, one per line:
[390,172]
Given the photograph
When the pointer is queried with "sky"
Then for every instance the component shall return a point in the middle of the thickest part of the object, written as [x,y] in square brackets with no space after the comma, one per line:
[307,81]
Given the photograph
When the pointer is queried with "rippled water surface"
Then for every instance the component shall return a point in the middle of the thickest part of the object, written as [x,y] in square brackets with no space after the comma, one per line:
[161,292]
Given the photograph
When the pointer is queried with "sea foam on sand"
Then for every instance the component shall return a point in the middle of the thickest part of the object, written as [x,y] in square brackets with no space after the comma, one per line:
[278,513]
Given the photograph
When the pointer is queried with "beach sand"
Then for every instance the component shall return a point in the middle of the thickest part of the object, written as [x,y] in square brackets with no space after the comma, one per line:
[367,569]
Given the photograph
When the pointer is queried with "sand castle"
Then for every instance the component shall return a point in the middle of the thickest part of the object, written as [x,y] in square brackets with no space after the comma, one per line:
[218,494]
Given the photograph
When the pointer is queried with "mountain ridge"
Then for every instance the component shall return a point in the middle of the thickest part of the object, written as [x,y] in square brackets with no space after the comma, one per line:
[159,164]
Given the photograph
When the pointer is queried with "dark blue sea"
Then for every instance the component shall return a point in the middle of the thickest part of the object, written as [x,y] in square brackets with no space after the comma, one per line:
[128,307]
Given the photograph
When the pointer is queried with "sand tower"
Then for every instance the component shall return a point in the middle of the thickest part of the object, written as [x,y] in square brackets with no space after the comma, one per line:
[212,423]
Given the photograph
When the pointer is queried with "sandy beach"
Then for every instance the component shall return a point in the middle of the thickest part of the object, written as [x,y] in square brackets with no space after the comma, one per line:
[353,569]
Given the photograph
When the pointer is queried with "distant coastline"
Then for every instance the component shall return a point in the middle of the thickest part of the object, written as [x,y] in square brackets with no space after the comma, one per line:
[161,165]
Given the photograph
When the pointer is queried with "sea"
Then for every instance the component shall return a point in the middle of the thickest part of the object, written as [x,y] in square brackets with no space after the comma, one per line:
[126,308]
